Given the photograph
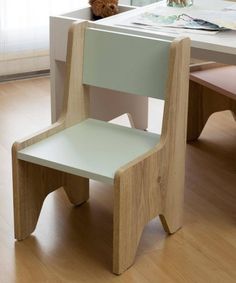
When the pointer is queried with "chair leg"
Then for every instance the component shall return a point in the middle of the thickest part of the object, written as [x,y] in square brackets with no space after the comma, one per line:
[171,215]
[143,191]
[196,119]
[128,223]
[76,188]
[172,218]
[31,184]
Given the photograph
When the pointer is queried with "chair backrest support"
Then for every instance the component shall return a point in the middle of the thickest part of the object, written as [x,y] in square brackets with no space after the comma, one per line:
[166,79]
[126,62]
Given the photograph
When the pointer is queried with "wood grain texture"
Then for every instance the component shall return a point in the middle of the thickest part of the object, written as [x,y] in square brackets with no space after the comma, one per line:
[153,184]
[31,184]
[74,244]
[150,185]
[76,188]
[75,107]
[206,99]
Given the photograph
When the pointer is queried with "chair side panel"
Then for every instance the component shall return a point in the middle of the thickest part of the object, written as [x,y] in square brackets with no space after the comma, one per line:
[125,62]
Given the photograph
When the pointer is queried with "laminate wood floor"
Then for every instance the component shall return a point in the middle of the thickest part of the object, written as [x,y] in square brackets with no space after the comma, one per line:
[75,244]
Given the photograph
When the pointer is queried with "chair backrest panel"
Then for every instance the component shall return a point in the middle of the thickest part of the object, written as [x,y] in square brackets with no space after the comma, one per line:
[125,62]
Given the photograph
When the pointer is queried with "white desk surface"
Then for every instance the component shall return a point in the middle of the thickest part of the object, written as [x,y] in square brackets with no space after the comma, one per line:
[217,47]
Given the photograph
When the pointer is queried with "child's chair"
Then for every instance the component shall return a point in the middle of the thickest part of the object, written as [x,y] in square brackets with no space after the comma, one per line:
[212,88]
[147,170]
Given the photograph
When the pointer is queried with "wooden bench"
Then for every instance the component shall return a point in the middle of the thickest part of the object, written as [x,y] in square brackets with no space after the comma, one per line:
[212,88]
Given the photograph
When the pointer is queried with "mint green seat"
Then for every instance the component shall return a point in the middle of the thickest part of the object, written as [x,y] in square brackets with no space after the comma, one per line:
[87,149]
[145,169]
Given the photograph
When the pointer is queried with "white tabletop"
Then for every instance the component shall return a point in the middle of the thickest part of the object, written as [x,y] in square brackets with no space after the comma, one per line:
[219,47]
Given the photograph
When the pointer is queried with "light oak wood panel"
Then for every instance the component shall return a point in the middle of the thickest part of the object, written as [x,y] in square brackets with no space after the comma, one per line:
[74,244]
[75,109]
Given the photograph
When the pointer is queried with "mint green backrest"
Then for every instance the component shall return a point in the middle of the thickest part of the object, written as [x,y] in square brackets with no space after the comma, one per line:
[125,62]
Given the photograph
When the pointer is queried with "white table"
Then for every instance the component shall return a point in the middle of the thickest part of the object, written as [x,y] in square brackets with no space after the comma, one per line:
[220,47]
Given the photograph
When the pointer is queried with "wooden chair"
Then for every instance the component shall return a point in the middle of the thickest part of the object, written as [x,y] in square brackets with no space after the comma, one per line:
[212,88]
[146,170]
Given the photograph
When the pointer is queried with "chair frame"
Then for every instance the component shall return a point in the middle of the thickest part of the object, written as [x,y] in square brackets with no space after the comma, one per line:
[151,185]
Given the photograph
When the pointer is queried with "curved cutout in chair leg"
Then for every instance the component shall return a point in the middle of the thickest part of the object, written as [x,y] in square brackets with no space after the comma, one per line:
[76,188]
[170,229]
[164,223]
[172,215]
[31,184]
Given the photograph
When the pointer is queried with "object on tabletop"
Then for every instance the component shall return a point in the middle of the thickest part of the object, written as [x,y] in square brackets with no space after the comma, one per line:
[179,3]
[103,8]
